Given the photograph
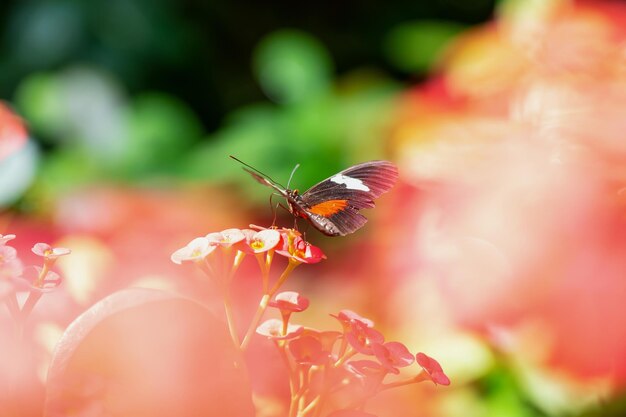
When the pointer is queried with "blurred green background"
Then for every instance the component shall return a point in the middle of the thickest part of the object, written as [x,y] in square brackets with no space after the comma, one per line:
[160,92]
[150,90]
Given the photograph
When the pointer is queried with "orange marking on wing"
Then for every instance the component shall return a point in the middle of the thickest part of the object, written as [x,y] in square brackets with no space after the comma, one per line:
[328,208]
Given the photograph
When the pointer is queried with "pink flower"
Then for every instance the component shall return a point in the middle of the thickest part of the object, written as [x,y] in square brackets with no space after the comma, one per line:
[361,338]
[393,355]
[196,250]
[294,247]
[432,368]
[327,338]
[365,369]
[308,350]
[226,238]
[32,276]
[5,238]
[10,269]
[48,252]
[290,301]
[10,265]
[259,242]
[7,287]
[7,253]
[274,329]
[349,317]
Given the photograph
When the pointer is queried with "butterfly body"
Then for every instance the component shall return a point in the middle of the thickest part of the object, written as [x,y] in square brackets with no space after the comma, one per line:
[332,206]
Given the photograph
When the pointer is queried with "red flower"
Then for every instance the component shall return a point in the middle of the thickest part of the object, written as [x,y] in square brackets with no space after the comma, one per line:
[348,317]
[294,247]
[432,368]
[361,338]
[326,337]
[308,350]
[365,368]
[393,355]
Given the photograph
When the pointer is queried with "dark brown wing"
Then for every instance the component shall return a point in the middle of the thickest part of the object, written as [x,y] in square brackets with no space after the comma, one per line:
[333,205]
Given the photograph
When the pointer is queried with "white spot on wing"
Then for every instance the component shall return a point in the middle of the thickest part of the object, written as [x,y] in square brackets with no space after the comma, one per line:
[351,183]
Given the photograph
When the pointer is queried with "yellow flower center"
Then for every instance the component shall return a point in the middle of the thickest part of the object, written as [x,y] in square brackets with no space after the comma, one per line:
[257,244]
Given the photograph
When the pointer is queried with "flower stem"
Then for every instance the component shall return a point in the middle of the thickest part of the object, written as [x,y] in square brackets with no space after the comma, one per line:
[349,353]
[310,406]
[13,306]
[230,319]
[396,384]
[265,301]
[235,265]
[283,277]
[265,272]
[255,321]
[31,301]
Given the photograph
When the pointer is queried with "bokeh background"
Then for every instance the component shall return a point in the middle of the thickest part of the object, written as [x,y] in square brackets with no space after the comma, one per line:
[501,252]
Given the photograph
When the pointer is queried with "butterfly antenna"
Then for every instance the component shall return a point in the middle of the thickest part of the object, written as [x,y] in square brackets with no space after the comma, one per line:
[274,208]
[256,170]
[292,172]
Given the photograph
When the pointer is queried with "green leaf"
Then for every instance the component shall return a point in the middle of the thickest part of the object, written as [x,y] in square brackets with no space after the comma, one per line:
[417,46]
[292,66]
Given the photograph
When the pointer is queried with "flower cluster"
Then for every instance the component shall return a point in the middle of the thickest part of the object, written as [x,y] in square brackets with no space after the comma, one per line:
[14,277]
[322,364]
[219,255]
[285,242]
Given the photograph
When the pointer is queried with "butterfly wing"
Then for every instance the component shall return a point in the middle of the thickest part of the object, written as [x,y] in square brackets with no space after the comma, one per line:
[333,205]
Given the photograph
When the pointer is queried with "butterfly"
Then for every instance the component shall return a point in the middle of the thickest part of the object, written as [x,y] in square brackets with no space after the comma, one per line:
[332,206]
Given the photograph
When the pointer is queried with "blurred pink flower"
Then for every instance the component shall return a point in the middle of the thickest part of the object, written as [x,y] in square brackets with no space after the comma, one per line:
[7,287]
[196,250]
[432,368]
[290,301]
[226,237]
[48,252]
[308,350]
[366,368]
[5,238]
[513,157]
[274,329]
[393,355]
[361,338]
[32,276]
[349,317]
[10,264]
